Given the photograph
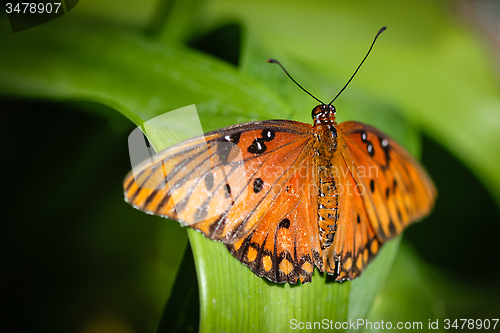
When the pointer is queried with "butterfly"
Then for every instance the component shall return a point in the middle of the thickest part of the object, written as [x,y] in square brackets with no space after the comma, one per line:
[285,196]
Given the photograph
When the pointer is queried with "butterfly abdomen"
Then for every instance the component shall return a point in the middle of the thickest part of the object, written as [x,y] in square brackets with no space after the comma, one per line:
[328,196]
[328,203]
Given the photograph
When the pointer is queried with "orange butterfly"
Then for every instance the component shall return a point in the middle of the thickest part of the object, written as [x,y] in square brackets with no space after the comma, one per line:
[286,196]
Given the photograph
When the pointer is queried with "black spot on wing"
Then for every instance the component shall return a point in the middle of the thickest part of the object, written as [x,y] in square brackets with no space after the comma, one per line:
[370,149]
[285,223]
[181,205]
[399,215]
[268,135]
[257,146]
[227,190]
[258,184]
[369,146]
[384,143]
[209,180]
[234,138]
[201,212]
[224,148]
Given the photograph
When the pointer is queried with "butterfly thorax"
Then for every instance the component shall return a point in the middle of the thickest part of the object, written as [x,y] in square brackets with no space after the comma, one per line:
[325,149]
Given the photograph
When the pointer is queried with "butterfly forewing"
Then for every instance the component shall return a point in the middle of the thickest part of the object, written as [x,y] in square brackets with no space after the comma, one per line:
[396,190]
[223,182]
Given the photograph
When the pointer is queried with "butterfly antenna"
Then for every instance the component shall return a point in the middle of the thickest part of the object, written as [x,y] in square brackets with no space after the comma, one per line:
[366,56]
[274,61]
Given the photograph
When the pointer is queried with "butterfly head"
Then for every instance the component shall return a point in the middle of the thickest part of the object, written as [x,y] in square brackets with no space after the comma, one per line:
[323,113]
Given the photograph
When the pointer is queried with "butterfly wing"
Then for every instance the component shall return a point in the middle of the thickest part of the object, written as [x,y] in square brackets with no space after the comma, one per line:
[384,189]
[284,246]
[355,243]
[224,182]
[397,190]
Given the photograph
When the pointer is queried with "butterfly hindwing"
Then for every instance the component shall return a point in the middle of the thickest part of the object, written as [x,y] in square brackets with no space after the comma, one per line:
[221,183]
[355,243]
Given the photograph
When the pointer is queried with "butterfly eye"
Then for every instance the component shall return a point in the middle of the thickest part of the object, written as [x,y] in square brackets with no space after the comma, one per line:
[316,111]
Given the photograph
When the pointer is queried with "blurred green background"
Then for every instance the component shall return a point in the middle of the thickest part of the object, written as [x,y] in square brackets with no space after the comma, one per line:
[77,258]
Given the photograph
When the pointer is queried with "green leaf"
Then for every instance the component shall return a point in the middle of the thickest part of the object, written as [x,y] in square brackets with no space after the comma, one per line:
[231,295]
[408,296]
[125,71]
